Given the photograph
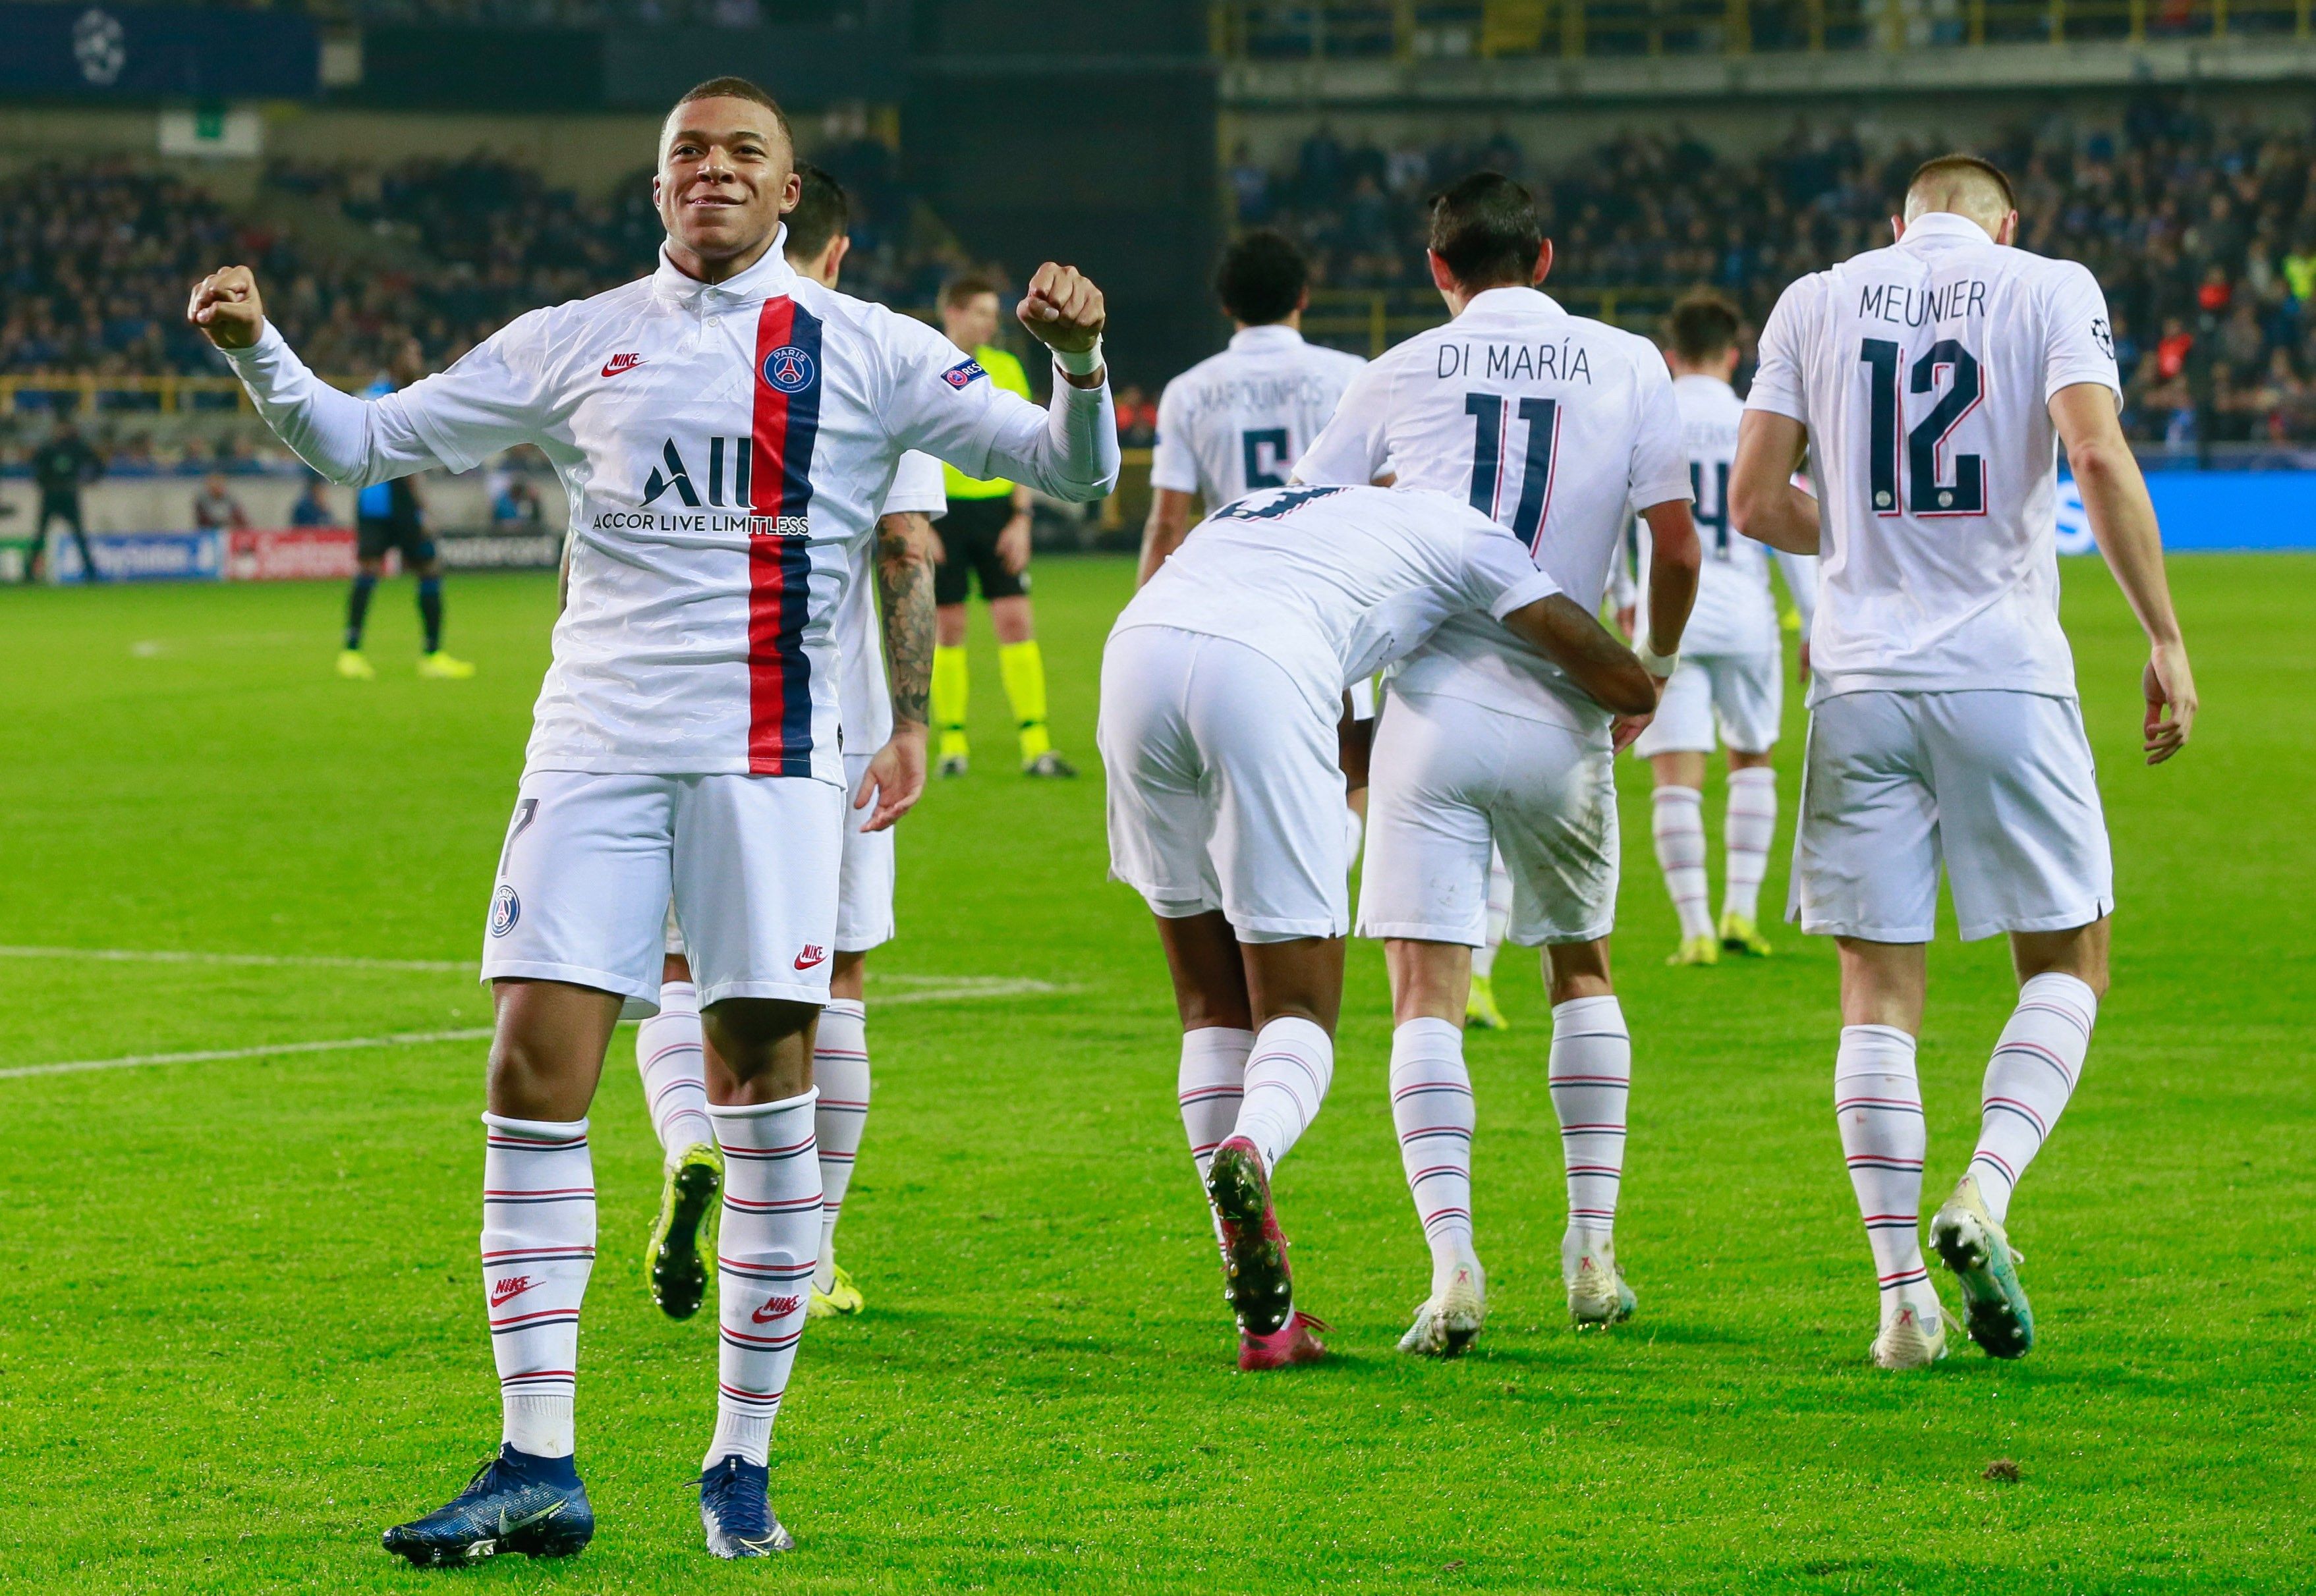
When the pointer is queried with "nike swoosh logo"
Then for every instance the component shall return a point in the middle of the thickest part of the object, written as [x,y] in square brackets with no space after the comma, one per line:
[619,363]
[528,1520]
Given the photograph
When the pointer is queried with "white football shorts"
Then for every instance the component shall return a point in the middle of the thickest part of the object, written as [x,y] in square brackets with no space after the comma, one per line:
[864,877]
[592,861]
[1450,778]
[1999,786]
[1744,695]
[1225,789]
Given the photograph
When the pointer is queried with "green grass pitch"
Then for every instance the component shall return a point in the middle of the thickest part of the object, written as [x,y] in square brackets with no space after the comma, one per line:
[240,1331]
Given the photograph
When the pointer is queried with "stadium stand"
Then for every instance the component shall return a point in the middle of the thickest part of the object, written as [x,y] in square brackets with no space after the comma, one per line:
[2202,232]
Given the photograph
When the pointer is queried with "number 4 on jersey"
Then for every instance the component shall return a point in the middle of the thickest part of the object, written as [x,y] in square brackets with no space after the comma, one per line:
[1927,495]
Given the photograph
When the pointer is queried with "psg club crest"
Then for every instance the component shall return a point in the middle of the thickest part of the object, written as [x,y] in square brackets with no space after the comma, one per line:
[790,369]
[506,908]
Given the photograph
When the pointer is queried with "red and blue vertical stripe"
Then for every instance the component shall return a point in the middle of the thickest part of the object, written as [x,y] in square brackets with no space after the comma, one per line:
[785,425]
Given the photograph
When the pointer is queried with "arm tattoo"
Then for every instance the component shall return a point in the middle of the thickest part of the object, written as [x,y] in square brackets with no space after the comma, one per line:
[904,593]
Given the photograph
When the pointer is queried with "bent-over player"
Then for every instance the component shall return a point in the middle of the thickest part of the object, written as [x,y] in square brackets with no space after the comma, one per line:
[1930,381]
[1223,684]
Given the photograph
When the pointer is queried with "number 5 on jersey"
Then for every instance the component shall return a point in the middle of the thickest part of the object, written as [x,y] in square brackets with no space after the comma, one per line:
[1927,494]
[1490,443]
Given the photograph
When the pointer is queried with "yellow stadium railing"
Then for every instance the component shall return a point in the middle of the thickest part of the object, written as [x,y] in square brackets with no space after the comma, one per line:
[1409,31]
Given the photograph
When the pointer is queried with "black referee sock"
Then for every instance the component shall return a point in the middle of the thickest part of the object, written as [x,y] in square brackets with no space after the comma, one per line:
[430,611]
[358,607]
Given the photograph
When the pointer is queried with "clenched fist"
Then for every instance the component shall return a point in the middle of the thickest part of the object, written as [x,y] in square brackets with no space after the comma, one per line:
[1063,310]
[225,306]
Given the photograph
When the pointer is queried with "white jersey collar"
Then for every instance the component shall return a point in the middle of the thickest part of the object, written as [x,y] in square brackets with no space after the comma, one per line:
[768,279]
[1944,224]
[1510,304]
[1707,378]
[1270,335]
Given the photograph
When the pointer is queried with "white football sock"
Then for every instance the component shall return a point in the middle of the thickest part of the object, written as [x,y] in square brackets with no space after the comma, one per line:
[1286,1079]
[1747,830]
[839,1072]
[1499,917]
[674,1065]
[1208,1086]
[1591,1076]
[1431,1107]
[538,1246]
[1879,1103]
[764,1263]
[2028,1080]
[1678,824]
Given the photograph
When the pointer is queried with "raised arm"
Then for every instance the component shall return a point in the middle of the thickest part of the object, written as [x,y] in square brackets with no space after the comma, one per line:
[1074,456]
[895,777]
[2123,521]
[1564,632]
[488,402]
[1763,502]
[352,442]
[1171,514]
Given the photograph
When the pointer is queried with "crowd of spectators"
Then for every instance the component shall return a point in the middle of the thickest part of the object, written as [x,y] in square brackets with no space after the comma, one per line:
[2203,235]
[97,259]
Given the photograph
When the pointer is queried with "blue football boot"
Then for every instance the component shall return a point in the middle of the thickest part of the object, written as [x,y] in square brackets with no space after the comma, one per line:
[736,1509]
[515,1502]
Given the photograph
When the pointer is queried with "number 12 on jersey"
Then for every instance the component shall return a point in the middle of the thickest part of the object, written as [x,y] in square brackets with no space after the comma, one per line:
[1925,494]
[1491,440]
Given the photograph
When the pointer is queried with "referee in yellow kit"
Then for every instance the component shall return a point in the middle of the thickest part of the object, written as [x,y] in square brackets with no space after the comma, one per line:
[985,535]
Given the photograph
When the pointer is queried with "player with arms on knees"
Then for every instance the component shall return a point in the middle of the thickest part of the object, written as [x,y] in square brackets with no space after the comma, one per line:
[1222,686]
[390,517]
[725,431]
[1237,421]
[984,538]
[1731,671]
[1929,382]
[670,1049]
[1561,428]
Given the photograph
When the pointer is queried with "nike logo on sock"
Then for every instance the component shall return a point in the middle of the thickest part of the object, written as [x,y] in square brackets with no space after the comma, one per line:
[776,1307]
[506,1290]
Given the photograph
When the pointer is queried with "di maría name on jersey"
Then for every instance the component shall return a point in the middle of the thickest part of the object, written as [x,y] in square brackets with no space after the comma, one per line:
[1516,362]
[729,462]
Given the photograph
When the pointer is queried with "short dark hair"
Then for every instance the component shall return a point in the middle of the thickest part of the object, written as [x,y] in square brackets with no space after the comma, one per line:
[1486,228]
[822,213]
[1702,325]
[968,286]
[1957,164]
[737,88]
[1261,278]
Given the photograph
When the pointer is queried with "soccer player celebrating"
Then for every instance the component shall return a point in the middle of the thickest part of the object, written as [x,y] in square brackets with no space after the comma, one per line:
[1930,381]
[671,1052]
[725,431]
[1238,421]
[1223,684]
[1730,670]
[985,539]
[1561,428]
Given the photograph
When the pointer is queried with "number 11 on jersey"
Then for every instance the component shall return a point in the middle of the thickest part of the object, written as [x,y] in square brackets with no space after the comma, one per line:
[1489,443]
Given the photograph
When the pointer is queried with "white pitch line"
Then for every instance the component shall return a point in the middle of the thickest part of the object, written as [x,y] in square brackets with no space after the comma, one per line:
[950,989]
[211,1055]
[165,956]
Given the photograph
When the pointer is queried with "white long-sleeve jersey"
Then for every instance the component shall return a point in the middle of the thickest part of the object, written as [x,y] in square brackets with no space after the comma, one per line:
[726,448]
